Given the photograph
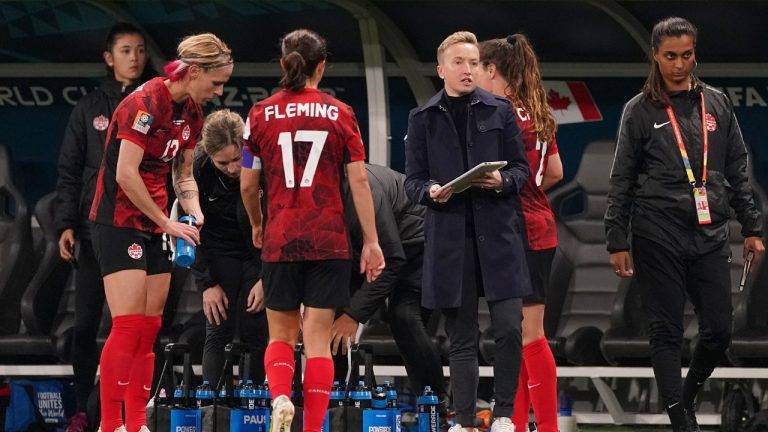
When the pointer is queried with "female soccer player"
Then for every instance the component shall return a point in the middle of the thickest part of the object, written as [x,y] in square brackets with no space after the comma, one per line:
[151,127]
[510,69]
[81,152]
[301,138]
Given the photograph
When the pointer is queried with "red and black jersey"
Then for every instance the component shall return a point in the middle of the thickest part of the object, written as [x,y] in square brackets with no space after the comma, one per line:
[539,219]
[303,139]
[149,118]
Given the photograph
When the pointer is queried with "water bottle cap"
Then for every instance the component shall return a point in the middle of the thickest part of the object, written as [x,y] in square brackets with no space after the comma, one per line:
[187,218]
[250,381]
[205,382]
[427,388]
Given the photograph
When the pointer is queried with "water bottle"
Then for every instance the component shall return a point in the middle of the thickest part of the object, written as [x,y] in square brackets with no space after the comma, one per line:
[178,397]
[185,251]
[391,394]
[337,396]
[236,394]
[379,398]
[248,396]
[565,420]
[261,400]
[429,418]
[204,395]
[360,396]
[267,395]
[222,398]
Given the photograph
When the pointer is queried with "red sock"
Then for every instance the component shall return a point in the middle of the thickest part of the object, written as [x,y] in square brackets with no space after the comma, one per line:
[279,366]
[115,368]
[542,383]
[318,379]
[522,405]
[143,367]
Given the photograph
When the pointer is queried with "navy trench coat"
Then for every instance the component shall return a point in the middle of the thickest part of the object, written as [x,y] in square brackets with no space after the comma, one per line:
[434,155]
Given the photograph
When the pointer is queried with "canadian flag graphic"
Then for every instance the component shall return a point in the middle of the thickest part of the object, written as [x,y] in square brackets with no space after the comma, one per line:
[571,102]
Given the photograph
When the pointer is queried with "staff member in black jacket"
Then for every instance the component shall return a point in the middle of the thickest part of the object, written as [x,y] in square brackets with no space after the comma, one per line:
[400,224]
[81,153]
[227,266]
[680,163]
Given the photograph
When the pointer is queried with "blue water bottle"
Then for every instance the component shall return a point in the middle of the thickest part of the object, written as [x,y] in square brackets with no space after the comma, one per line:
[248,396]
[185,251]
[337,396]
[391,394]
[361,396]
[429,418]
[204,395]
[379,398]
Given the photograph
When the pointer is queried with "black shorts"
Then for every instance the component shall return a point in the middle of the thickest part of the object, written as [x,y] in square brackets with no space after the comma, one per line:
[317,284]
[119,249]
[539,267]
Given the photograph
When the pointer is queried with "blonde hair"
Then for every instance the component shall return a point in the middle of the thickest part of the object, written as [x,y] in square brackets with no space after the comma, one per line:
[221,129]
[205,50]
[456,38]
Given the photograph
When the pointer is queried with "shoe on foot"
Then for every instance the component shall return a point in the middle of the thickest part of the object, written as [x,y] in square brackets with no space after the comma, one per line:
[690,417]
[77,423]
[144,428]
[502,424]
[282,414]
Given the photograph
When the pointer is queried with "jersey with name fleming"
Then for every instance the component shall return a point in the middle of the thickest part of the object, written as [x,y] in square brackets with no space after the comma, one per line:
[149,118]
[303,139]
[539,219]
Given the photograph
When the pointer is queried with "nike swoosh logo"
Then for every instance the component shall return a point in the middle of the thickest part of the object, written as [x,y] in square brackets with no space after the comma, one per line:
[670,406]
[530,386]
[212,199]
[147,388]
[657,125]
[123,383]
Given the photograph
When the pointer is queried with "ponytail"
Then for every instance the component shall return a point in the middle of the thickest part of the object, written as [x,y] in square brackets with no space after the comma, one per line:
[295,77]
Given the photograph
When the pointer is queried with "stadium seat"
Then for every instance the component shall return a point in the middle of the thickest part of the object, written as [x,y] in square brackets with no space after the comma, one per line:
[582,286]
[16,251]
[40,302]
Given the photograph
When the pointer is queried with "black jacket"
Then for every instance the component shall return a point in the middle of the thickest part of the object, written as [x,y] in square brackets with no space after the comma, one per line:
[227,230]
[650,194]
[81,153]
[400,227]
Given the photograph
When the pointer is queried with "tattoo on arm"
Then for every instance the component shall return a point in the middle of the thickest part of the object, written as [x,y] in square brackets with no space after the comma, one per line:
[188,194]
[177,164]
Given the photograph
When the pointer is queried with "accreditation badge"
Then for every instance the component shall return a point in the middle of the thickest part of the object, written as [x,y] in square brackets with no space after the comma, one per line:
[702,205]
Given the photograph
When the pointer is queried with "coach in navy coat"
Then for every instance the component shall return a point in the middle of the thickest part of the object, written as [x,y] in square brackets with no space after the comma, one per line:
[434,156]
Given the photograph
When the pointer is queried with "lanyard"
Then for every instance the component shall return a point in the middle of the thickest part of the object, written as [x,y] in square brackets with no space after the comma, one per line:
[681,145]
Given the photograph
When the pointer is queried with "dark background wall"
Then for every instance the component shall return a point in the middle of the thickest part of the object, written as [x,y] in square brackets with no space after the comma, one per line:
[576,40]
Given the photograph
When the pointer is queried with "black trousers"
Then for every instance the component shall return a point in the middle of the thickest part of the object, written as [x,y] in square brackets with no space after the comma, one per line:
[236,278]
[665,280]
[463,332]
[89,304]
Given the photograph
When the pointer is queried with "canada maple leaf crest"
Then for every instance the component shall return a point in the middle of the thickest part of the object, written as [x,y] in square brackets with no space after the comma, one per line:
[556,101]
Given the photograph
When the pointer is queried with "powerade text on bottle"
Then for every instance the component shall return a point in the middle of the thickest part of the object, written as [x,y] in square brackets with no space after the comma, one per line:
[248,396]
[429,419]
[360,396]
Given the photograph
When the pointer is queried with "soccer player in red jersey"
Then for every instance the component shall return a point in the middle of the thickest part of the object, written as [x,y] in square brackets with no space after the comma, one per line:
[510,69]
[156,124]
[302,138]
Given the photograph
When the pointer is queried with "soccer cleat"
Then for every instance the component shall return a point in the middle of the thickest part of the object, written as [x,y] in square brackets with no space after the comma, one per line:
[77,423]
[144,429]
[282,414]
[502,424]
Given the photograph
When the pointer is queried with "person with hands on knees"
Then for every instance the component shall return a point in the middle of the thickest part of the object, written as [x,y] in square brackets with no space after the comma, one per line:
[153,127]
[82,149]
[400,227]
[302,139]
[510,69]
[475,243]
[679,168]
[227,267]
